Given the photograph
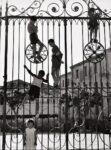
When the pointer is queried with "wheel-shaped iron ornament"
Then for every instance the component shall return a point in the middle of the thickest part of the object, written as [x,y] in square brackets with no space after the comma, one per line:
[94,52]
[39,58]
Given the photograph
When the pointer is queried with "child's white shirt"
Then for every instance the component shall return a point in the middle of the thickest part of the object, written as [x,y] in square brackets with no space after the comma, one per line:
[30,139]
[37,82]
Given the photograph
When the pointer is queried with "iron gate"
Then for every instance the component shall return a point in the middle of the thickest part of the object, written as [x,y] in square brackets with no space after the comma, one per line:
[76,114]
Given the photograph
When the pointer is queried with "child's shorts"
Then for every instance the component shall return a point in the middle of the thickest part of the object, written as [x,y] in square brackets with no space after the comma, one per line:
[34,38]
[56,63]
[34,91]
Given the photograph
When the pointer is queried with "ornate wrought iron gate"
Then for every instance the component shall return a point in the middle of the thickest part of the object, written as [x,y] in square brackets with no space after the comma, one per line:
[79,108]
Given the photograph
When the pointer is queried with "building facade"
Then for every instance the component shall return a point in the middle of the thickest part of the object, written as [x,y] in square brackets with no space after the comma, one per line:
[87,75]
[47,104]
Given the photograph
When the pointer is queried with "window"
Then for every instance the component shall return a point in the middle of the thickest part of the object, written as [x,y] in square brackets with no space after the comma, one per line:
[63,110]
[48,100]
[81,75]
[67,82]
[95,68]
[85,70]
[90,69]
[77,73]
[63,83]
[90,72]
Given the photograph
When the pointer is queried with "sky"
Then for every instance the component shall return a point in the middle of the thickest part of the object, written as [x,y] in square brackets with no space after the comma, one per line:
[77,57]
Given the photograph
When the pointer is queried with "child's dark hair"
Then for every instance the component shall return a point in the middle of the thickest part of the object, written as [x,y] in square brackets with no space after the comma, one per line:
[51,41]
[33,18]
[30,121]
[42,72]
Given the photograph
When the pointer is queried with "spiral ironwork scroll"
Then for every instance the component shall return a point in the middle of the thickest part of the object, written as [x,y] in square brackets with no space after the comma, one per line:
[102,13]
[31,10]
[54,8]
[74,8]
[57,8]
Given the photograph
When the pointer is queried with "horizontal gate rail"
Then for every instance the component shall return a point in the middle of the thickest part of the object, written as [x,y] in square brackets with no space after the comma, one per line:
[56,18]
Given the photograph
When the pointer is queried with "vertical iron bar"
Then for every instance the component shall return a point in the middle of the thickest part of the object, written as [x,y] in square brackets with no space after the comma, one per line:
[24,79]
[82,23]
[42,97]
[5,76]
[90,88]
[100,72]
[48,30]
[55,96]
[59,117]
[108,101]
[19,52]
[107,75]
[19,30]
[13,42]
[66,85]
[85,87]
[72,74]
[38,99]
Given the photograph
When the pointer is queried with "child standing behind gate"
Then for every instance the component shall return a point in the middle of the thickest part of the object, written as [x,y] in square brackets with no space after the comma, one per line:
[93,23]
[32,29]
[30,138]
[56,61]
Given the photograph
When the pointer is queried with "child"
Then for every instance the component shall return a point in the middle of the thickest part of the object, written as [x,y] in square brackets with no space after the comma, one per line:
[34,91]
[56,61]
[32,29]
[81,109]
[93,23]
[30,138]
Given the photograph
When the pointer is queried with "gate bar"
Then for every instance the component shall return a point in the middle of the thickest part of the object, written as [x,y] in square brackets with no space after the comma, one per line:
[5,78]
